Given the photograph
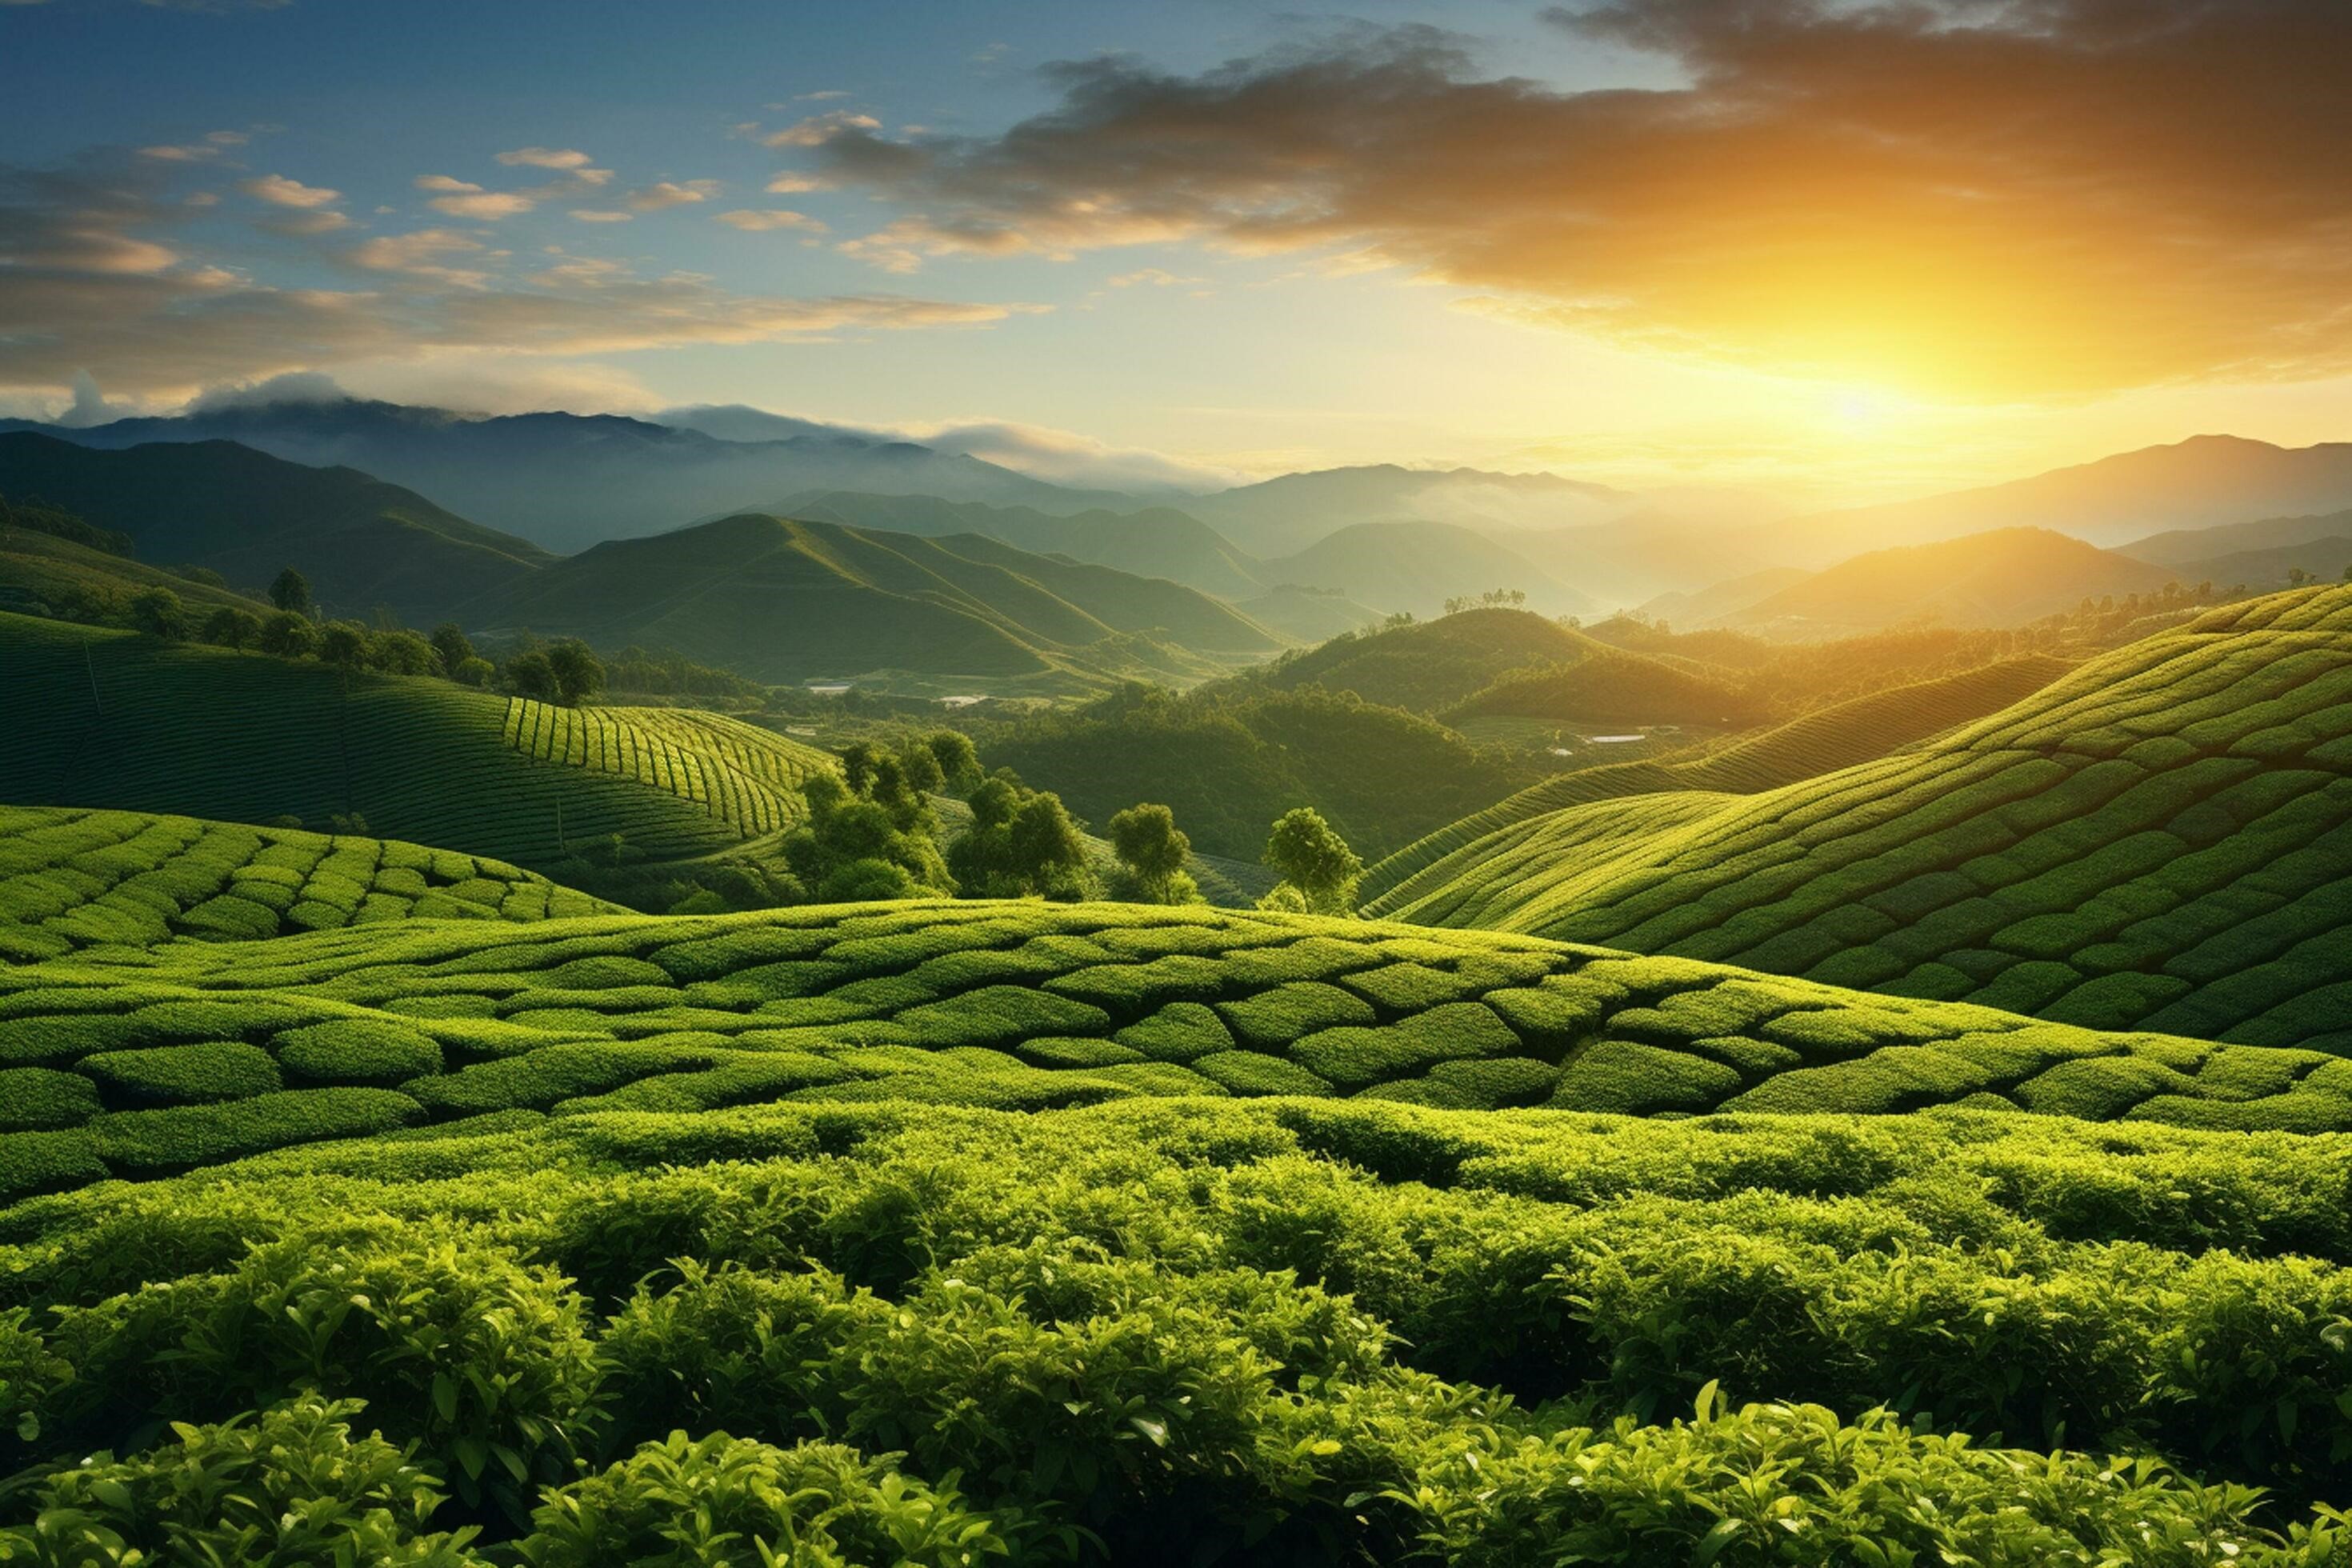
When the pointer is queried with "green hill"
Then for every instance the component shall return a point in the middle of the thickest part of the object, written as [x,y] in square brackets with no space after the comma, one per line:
[71,880]
[2002,578]
[1431,665]
[1839,736]
[2161,840]
[786,601]
[42,574]
[1417,567]
[1157,541]
[1608,686]
[1305,615]
[115,720]
[1230,762]
[244,514]
[204,1046]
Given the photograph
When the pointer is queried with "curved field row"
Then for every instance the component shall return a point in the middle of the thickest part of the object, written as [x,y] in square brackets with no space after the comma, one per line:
[109,719]
[1836,737]
[74,879]
[194,1052]
[2162,840]
[738,772]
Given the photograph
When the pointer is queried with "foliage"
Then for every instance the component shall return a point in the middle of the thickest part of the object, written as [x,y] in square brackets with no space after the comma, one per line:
[1314,861]
[290,592]
[1153,850]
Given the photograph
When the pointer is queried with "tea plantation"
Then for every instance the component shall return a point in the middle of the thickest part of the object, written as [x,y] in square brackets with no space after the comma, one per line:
[117,879]
[1842,735]
[109,719]
[2162,840]
[154,1062]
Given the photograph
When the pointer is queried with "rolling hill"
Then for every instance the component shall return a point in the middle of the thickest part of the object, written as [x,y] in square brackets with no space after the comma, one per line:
[1308,615]
[2199,483]
[566,481]
[2180,547]
[1158,542]
[246,514]
[102,718]
[1430,665]
[118,879]
[41,573]
[2003,578]
[1841,735]
[1287,514]
[2161,840]
[1417,567]
[784,600]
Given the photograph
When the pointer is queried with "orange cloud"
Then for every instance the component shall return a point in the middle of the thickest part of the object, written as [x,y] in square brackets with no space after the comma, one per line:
[1992,199]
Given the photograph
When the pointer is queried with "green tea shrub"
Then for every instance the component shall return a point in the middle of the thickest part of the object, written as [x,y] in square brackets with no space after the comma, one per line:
[211,1070]
[291,1486]
[730,1503]
[357,1050]
[32,1099]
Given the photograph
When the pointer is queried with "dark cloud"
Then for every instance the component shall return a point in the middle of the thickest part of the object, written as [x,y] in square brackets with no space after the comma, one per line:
[1993,197]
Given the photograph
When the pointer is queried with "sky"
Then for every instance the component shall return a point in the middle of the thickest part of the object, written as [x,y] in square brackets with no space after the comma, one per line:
[1831,251]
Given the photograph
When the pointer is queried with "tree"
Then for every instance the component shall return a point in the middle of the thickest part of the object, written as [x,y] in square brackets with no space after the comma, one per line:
[1020,843]
[2296,576]
[232,628]
[959,759]
[344,645]
[1049,853]
[919,766]
[159,612]
[289,635]
[578,675]
[291,592]
[1314,861]
[451,642]
[1153,848]
[403,653]
[531,674]
[474,670]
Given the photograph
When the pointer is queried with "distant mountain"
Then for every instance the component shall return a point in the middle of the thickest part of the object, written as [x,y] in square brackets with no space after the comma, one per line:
[2274,567]
[1704,606]
[2002,578]
[1417,567]
[2193,484]
[1308,615]
[1285,515]
[791,600]
[568,480]
[1429,666]
[244,514]
[1158,542]
[2180,546]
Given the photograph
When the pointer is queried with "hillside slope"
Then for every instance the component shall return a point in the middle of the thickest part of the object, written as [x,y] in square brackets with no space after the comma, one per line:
[74,879]
[785,600]
[1417,567]
[114,720]
[1838,736]
[2161,840]
[2002,578]
[1158,541]
[1431,665]
[244,514]
[1015,1006]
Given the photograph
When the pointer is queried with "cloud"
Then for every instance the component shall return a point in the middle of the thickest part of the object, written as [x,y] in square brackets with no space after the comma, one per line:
[546,158]
[819,128]
[796,185]
[460,198]
[1992,199]
[1065,458]
[1157,276]
[422,254]
[665,194]
[92,280]
[755,221]
[280,191]
[602,214]
[211,147]
[304,387]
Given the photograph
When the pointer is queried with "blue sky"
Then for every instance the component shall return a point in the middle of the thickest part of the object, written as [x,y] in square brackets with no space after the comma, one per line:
[1202,259]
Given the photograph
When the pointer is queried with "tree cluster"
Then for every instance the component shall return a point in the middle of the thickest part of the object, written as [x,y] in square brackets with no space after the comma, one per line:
[1492,599]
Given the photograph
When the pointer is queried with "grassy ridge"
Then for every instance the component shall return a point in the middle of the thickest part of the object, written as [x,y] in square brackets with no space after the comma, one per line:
[1835,737]
[202,1050]
[81,878]
[109,719]
[2161,840]
[1132,1333]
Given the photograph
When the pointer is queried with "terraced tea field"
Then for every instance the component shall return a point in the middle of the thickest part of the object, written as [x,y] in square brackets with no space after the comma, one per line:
[74,879]
[1836,737]
[2159,841]
[108,718]
[195,1051]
